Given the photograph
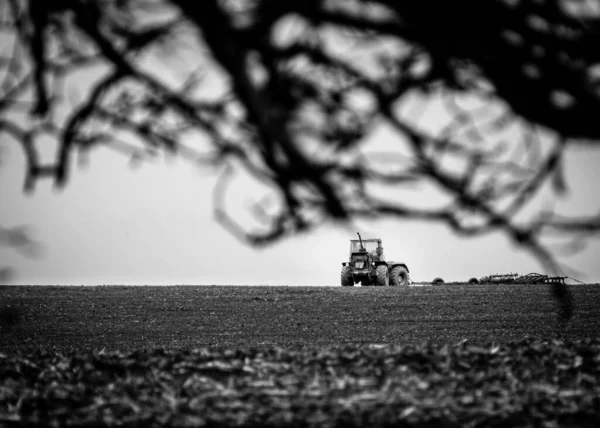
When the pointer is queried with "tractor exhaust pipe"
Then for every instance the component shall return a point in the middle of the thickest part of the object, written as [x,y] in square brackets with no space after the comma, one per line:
[362,248]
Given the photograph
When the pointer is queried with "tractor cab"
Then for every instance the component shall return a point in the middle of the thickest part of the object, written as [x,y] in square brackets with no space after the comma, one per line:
[369,247]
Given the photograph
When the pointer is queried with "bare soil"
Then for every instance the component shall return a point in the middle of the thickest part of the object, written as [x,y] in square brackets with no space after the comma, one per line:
[452,356]
[176,317]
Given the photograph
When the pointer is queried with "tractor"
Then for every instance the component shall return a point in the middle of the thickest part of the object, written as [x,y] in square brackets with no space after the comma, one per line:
[368,266]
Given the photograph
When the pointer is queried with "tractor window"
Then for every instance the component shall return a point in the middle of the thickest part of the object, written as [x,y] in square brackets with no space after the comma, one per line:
[369,245]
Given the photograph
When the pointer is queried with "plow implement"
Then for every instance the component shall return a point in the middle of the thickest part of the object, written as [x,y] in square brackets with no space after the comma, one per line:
[530,278]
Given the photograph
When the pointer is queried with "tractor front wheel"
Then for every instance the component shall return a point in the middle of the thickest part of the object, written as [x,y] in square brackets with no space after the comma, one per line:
[347,277]
[382,276]
[399,276]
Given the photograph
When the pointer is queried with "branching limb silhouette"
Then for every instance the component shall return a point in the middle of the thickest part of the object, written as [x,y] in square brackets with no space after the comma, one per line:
[294,92]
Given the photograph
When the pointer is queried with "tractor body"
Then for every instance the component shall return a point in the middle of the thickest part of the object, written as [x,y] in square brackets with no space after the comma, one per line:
[366,264]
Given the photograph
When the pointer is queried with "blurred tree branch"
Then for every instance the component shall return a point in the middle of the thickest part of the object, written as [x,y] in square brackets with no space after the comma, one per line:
[20,240]
[292,91]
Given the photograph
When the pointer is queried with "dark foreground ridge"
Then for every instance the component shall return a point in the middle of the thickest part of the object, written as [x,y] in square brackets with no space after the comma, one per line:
[518,384]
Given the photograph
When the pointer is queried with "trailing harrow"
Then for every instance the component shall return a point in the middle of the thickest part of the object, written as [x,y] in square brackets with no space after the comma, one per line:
[530,278]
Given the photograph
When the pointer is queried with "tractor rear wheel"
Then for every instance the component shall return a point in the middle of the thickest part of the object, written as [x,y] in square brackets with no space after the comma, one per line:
[383,279]
[346,276]
[399,276]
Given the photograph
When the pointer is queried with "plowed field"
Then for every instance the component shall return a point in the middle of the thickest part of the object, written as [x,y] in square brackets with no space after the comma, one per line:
[131,318]
[452,356]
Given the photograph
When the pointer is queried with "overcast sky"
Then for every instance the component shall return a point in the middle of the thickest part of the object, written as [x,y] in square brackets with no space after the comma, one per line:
[153,224]
[114,224]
